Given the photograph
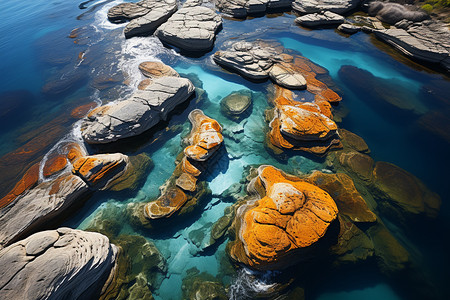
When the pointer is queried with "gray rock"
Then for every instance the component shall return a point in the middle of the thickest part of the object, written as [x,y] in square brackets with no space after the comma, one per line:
[392,13]
[427,41]
[320,19]
[143,110]
[148,23]
[31,210]
[314,6]
[242,8]
[236,103]
[77,270]
[349,28]
[259,61]
[193,28]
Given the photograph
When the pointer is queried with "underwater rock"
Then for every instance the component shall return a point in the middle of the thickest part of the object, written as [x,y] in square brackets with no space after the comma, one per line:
[426,41]
[136,171]
[242,8]
[192,28]
[143,110]
[203,141]
[38,206]
[83,110]
[391,13]
[157,12]
[436,122]
[343,191]
[292,216]
[357,163]
[349,28]
[236,103]
[60,264]
[353,141]
[259,61]
[320,19]
[156,69]
[313,6]
[100,169]
[401,192]
[202,286]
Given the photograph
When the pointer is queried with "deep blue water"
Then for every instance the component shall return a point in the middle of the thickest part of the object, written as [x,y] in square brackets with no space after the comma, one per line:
[36,49]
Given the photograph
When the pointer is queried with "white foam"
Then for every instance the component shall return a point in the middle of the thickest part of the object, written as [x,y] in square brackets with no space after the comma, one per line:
[250,282]
[101,18]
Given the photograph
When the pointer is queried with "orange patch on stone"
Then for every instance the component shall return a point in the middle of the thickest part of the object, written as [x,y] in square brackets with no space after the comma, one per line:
[28,181]
[82,111]
[54,164]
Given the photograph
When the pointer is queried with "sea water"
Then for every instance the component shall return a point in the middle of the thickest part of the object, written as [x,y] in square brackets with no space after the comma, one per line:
[29,31]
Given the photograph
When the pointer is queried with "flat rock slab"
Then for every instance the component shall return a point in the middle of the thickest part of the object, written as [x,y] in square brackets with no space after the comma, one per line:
[56,264]
[320,19]
[314,6]
[32,209]
[143,110]
[242,8]
[193,28]
[391,13]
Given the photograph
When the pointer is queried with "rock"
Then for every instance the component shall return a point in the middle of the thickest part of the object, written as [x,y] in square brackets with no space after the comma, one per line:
[353,141]
[98,171]
[61,264]
[39,205]
[320,19]
[427,41]
[402,192]
[343,191]
[127,11]
[156,69]
[391,13]
[242,8]
[357,163]
[259,61]
[349,28]
[158,12]
[313,6]
[202,286]
[143,110]
[55,164]
[186,182]
[136,171]
[166,205]
[236,103]
[144,84]
[83,110]
[192,28]
[273,232]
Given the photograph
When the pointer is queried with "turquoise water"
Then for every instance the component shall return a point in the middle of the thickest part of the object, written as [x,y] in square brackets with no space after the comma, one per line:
[36,49]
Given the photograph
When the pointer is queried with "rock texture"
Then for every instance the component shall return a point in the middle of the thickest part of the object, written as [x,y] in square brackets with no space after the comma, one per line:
[57,264]
[320,19]
[203,141]
[348,28]
[143,110]
[259,61]
[236,103]
[427,41]
[313,6]
[242,8]
[391,13]
[145,16]
[156,69]
[34,208]
[192,28]
[291,216]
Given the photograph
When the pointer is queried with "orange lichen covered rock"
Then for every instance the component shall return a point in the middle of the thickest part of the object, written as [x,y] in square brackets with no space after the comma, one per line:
[357,163]
[54,165]
[156,69]
[166,205]
[402,190]
[144,83]
[99,170]
[291,216]
[186,182]
[349,202]
[29,180]
[189,168]
[74,152]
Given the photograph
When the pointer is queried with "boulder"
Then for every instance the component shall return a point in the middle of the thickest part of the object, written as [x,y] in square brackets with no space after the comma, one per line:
[236,103]
[193,28]
[320,19]
[357,163]
[349,28]
[36,207]
[98,171]
[156,69]
[242,8]
[391,13]
[292,216]
[57,264]
[314,6]
[283,74]
[143,110]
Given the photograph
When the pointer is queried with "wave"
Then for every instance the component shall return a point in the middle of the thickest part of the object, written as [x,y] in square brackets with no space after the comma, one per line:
[250,284]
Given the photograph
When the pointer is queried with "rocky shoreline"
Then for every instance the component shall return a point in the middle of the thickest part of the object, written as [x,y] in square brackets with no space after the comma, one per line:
[280,220]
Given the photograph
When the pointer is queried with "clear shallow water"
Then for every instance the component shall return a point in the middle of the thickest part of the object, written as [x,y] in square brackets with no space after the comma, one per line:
[108,54]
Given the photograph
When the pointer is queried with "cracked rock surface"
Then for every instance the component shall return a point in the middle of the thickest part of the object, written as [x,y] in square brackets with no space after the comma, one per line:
[314,6]
[143,110]
[56,264]
[192,28]
[320,19]
[242,8]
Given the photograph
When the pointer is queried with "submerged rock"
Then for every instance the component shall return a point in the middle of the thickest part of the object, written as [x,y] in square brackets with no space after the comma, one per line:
[143,110]
[291,216]
[391,13]
[320,19]
[60,264]
[313,6]
[33,209]
[192,28]
[202,286]
[236,103]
